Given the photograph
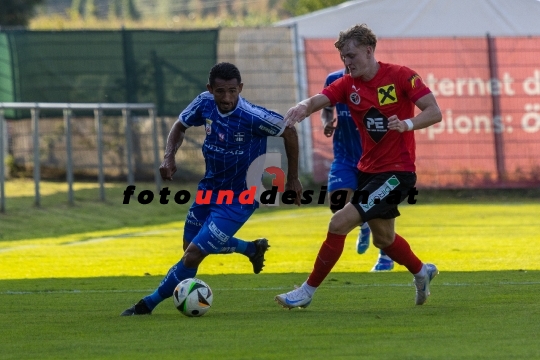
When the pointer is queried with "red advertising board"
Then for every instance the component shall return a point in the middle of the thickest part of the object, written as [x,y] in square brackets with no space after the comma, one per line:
[467,148]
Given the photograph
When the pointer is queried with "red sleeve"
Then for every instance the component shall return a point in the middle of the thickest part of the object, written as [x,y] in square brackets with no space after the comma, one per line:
[335,92]
[413,84]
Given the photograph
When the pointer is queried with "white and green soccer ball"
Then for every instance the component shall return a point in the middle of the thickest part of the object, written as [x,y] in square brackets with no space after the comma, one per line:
[193,297]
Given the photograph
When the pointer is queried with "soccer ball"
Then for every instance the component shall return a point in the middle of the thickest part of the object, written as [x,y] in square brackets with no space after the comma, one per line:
[193,297]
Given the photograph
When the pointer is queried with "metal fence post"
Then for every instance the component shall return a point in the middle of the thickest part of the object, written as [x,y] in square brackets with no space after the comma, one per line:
[157,175]
[69,158]
[68,108]
[129,145]
[99,141]
[2,163]
[496,109]
[35,135]
[305,137]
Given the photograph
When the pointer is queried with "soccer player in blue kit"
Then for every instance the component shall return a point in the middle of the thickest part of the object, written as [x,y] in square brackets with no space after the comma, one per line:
[236,134]
[343,173]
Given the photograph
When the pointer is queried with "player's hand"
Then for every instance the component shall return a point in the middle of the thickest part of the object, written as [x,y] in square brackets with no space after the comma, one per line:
[167,168]
[329,128]
[395,124]
[296,186]
[295,115]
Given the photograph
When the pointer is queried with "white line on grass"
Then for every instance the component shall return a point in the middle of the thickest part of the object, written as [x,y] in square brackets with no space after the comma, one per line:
[22,247]
[91,240]
[117,237]
[144,233]
[159,232]
[40,292]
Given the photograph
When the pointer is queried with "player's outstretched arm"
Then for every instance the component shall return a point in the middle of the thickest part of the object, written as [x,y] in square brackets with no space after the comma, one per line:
[290,138]
[305,108]
[430,114]
[174,141]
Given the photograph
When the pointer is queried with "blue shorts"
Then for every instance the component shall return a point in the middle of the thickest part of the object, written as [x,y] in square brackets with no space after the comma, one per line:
[211,226]
[342,176]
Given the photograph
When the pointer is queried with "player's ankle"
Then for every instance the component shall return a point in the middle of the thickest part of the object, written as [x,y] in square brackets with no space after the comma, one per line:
[308,288]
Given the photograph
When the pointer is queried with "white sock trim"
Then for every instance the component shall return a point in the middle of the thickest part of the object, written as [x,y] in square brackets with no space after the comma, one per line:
[422,272]
[309,289]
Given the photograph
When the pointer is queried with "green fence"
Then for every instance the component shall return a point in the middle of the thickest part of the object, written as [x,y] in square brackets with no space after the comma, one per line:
[165,68]
[162,67]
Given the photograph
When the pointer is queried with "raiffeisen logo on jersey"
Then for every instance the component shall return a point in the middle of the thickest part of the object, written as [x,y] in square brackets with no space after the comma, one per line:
[387,94]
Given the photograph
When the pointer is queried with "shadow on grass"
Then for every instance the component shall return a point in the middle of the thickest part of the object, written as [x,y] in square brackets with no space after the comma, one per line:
[269,282]
[469,315]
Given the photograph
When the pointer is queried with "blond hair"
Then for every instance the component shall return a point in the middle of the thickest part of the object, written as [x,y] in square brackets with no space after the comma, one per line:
[361,34]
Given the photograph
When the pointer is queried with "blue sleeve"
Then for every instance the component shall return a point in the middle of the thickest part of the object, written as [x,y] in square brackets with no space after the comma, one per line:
[192,114]
[268,123]
[328,80]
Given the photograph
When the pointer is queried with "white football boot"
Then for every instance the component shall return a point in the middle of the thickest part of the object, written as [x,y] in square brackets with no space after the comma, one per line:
[296,298]
[422,284]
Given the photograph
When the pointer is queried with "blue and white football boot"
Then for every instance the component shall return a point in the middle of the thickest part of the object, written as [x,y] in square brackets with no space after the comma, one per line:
[383,264]
[362,242]
[422,284]
[296,298]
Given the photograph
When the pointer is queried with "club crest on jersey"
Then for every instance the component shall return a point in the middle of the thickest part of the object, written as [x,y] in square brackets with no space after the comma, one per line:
[221,137]
[239,137]
[355,98]
[208,126]
[387,94]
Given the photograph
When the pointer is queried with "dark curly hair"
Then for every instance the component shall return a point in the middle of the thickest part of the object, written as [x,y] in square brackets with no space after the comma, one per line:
[224,71]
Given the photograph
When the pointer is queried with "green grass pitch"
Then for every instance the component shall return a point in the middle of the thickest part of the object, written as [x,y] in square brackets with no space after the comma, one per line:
[66,273]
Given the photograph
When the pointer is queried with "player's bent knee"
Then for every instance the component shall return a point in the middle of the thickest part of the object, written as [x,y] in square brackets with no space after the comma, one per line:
[186,244]
[345,220]
[338,225]
[193,256]
[382,241]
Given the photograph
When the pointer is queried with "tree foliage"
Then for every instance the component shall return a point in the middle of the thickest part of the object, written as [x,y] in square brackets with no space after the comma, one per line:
[17,12]
[301,7]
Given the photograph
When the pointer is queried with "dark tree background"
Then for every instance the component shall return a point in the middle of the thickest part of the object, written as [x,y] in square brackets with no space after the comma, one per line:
[17,12]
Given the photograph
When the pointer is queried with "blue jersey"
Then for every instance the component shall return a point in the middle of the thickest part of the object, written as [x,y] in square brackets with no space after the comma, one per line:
[346,142]
[233,140]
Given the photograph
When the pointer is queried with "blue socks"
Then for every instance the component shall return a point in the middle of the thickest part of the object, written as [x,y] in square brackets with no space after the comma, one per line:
[179,272]
[165,290]
[235,245]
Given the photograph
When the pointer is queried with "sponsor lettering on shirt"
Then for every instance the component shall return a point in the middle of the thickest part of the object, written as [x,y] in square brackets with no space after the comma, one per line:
[267,129]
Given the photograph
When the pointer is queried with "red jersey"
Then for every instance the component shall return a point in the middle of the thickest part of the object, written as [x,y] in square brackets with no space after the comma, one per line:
[393,91]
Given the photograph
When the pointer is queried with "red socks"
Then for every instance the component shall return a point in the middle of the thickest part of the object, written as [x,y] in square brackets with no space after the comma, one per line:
[332,248]
[328,256]
[401,252]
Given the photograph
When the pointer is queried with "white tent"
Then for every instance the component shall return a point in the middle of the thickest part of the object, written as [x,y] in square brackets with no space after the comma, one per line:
[423,18]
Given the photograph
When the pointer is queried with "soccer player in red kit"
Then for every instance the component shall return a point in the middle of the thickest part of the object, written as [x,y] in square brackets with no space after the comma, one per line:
[381,98]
